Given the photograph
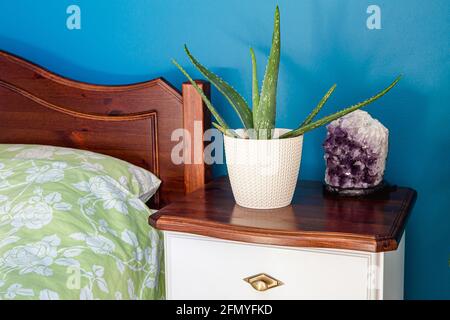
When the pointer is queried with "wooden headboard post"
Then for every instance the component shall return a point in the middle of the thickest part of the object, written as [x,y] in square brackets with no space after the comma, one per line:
[132,122]
[196,121]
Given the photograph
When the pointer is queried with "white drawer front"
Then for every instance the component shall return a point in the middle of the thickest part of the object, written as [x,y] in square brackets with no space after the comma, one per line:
[206,268]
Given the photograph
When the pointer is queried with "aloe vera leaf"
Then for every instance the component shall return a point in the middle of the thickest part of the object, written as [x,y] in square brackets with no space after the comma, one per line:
[319,106]
[255,90]
[228,132]
[234,98]
[337,115]
[264,115]
[208,103]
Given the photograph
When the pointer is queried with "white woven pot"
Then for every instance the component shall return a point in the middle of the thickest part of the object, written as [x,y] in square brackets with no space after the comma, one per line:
[263,173]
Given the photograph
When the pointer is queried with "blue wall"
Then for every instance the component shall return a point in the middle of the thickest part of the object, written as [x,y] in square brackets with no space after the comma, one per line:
[323,42]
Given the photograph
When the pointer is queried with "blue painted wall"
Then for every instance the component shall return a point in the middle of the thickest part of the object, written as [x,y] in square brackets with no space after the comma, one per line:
[323,42]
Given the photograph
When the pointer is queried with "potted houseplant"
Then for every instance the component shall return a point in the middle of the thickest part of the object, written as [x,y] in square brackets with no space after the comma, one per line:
[263,161]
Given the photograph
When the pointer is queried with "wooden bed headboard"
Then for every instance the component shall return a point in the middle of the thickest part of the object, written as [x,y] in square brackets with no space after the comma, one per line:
[131,122]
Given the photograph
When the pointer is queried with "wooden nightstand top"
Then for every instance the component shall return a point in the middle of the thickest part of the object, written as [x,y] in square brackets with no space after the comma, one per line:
[373,223]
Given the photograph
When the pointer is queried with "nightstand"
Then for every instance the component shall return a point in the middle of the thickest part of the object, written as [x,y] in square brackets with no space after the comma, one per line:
[320,247]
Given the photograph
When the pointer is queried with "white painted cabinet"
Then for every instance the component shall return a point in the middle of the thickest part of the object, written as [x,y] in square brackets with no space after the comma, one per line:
[199,267]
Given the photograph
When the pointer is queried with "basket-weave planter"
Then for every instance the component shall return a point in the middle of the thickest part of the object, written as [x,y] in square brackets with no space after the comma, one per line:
[263,173]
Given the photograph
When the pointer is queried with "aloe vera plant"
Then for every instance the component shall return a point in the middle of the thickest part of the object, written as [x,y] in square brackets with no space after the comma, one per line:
[259,119]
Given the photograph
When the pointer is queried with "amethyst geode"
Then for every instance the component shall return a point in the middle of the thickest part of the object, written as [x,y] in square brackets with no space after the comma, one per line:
[355,154]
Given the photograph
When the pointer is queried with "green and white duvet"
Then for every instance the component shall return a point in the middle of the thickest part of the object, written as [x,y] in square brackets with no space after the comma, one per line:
[72,226]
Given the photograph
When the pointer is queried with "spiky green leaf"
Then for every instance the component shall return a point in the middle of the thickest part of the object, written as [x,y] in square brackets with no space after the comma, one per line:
[319,106]
[264,115]
[337,115]
[228,132]
[255,89]
[234,98]
[208,103]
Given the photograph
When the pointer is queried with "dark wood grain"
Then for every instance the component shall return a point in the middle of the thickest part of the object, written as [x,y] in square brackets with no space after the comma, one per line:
[196,121]
[131,122]
[374,223]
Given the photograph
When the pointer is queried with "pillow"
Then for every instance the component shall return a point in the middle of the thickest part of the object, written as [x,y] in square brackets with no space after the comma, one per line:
[138,181]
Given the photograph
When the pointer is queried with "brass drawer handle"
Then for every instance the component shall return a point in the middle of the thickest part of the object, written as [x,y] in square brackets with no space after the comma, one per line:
[263,282]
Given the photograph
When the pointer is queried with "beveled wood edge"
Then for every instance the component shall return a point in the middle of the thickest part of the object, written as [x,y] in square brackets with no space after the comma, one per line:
[61,109]
[309,239]
[89,86]
[384,243]
[330,240]
[399,224]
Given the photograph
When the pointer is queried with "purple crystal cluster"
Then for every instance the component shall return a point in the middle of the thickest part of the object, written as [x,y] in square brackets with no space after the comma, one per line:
[356,148]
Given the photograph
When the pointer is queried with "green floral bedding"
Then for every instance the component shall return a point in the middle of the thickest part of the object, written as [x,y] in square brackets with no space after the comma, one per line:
[73,227]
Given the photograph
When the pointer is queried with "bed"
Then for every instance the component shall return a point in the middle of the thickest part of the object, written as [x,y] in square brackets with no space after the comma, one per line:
[73,224]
